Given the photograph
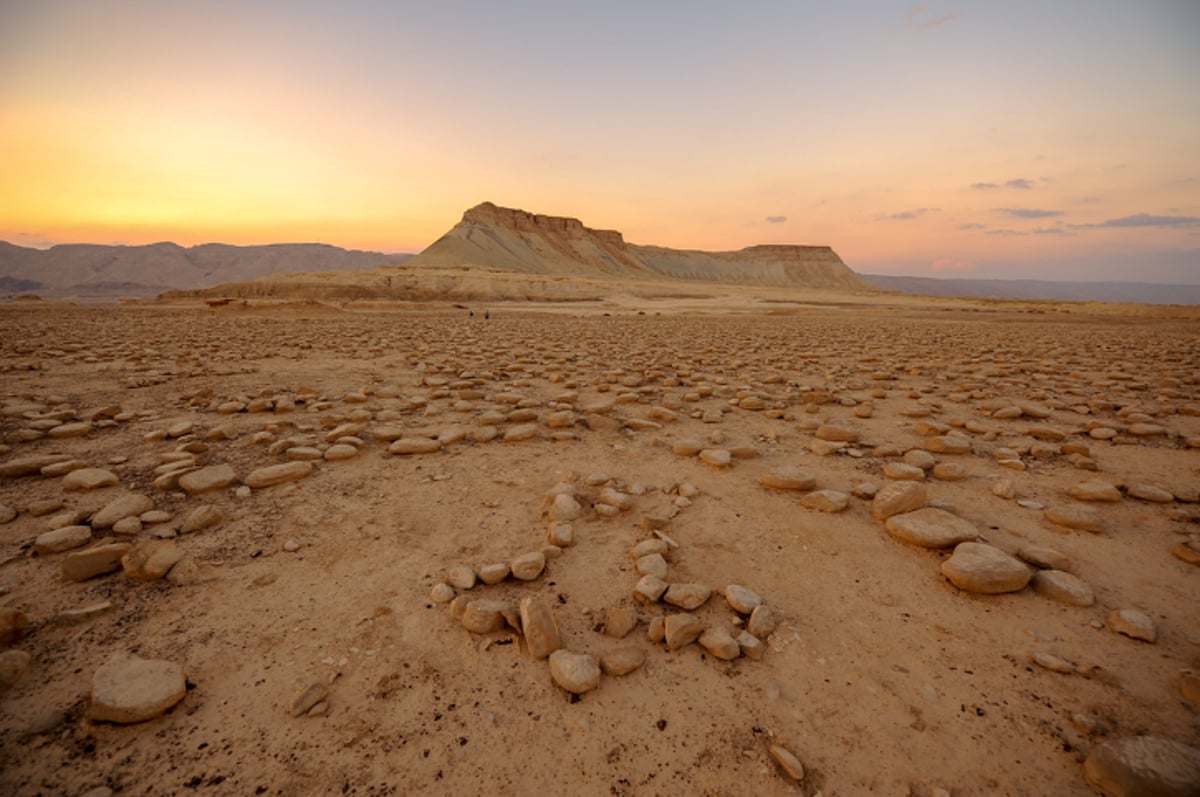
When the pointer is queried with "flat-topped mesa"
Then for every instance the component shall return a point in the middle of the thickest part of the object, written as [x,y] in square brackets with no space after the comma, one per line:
[489,214]
[491,236]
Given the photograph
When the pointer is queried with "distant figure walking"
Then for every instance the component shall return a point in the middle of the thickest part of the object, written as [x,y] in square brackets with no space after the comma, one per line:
[487,314]
[472,312]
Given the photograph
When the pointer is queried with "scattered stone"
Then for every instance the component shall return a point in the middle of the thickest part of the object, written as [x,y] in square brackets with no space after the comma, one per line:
[750,645]
[1074,516]
[982,568]
[622,660]
[763,621]
[652,565]
[896,498]
[619,621]
[528,566]
[931,528]
[1063,587]
[1133,624]
[151,560]
[84,613]
[97,561]
[1044,557]
[826,501]
[441,593]
[461,577]
[680,630]
[313,695]
[202,517]
[64,539]
[719,643]
[948,444]
[484,616]
[1053,663]
[903,472]
[564,507]
[575,672]
[650,588]
[561,534]
[1189,686]
[1187,551]
[788,763]
[494,573]
[127,527]
[742,599]
[128,689]
[687,447]
[340,452]
[13,666]
[1144,766]
[687,596]
[7,514]
[525,431]
[29,466]
[206,480]
[89,479]
[272,475]
[537,624]
[717,457]
[949,472]
[44,507]
[788,479]
[1095,490]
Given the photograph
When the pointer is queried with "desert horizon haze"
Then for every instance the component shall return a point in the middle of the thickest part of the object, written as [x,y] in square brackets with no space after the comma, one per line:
[1014,141]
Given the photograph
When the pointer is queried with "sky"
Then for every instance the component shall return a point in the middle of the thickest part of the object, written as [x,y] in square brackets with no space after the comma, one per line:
[1022,139]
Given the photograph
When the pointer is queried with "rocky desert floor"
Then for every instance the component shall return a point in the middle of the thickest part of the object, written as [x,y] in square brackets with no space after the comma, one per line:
[840,549]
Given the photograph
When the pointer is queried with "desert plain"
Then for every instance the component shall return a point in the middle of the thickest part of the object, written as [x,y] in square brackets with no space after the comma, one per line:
[326,547]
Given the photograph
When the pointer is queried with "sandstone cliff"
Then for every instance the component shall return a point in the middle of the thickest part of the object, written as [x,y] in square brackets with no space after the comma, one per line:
[495,237]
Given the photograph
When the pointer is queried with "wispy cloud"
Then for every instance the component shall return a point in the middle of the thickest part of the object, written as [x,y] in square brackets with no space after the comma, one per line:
[919,18]
[1029,213]
[1144,220]
[1002,232]
[971,226]
[1016,182]
[776,219]
[1049,231]
[906,215]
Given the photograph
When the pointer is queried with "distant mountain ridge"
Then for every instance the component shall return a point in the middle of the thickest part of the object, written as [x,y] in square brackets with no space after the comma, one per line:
[1137,292]
[506,238]
[98,271]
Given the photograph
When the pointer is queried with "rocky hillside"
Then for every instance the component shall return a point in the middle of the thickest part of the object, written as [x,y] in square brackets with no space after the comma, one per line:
[504,238]
[89,270]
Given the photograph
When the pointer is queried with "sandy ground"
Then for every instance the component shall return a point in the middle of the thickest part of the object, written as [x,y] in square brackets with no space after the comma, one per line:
[882,677]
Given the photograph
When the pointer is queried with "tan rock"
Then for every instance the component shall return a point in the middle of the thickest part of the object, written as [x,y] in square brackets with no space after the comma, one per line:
[484,616]
[272,475]
[528,566]
[121,508]
[29,466]
[415,445]
[575,672]
[97,561]
[751,647]
[742,599]
[1044,557]
[931,528]
[128,689]
[716,457]
[1074,516]
[205,480]
[650,588]
[763,621]
[680,630]
[89,479]
[896,498]
[202,517]
[982,568]
[718,642]
[619,621]
[539,628]
[494,573]
[1132,623]
[622,660]
[151,560]
[788,763]
[1063,587]
[64,539]
[1144,766]
[788,478]
[687,595]
[13,666]
[826,501]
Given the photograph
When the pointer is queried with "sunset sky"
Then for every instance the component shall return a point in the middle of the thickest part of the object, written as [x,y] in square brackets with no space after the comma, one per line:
[1047,139]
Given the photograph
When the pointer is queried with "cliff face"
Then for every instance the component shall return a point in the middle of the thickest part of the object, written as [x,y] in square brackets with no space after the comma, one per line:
[515,240]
